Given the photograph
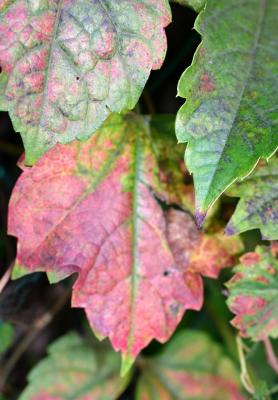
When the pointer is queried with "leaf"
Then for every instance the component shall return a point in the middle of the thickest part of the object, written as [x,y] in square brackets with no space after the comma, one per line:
[173,174]
[229,118]
[6,336]
[258,204]
[99,209]
[73,370]
[197,5]
[253,295]
[191,366]
[68,65]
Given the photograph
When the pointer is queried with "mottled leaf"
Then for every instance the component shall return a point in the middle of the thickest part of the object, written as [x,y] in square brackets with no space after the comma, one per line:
[197,5]
[190,367]
[73,370]
[253,294]
[67,65]
[258,204]
[230,116]
[174,177]
[6,336]
[99,209]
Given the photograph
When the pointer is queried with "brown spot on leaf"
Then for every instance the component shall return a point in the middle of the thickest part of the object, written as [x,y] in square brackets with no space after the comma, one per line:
[207,84]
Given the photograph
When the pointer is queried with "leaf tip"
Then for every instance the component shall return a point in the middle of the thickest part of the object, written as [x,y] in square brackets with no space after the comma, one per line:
[229,230]
[200,218]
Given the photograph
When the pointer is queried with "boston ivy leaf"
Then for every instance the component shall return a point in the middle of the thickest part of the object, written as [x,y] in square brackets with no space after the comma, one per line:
[197,5]
[191,366]
[74,370]
[229,119]
[258,204]
[67,65]
[99,209]
[253,295]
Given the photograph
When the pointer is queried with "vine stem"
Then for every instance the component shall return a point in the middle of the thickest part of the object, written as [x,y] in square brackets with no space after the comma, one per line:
[6,277]
[244,374]
[39,324]
[271,356]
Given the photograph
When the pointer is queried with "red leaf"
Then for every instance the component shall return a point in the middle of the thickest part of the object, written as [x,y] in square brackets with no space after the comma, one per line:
[93,208]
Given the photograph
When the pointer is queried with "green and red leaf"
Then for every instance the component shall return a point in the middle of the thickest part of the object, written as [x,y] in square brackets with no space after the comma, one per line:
[190,367]
[253,294]
[74,370]
[99,209]
[66,65]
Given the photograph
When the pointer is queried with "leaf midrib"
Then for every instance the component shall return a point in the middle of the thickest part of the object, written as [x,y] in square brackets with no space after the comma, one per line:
[49,61]
[262,9]
[134,233]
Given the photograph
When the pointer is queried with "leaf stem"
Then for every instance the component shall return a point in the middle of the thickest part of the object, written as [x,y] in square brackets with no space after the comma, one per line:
[271,356]
[39,324]
[244,375]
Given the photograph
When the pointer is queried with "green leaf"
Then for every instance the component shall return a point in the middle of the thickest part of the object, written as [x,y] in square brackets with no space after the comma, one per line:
[68,65]
[253,294]
[191,366]
[230,117]
[258,204]
[197,5]
[6,336]
[74,370]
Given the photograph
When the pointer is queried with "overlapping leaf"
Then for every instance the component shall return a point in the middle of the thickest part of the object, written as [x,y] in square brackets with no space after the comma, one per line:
[258,204]
[197,5]
[95,208]
[253,295]
[67,65]
[230,116]
[74,370]
[190,367]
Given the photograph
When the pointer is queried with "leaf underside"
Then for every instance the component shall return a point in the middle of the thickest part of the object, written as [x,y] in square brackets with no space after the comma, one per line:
[253,294]
[67,65]
[190,367]
[258,204]
[230,116]
[95,208]
[73,370]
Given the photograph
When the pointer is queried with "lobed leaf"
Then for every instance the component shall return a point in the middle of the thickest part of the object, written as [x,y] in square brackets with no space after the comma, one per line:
[73,370]
[99,209]
[191,366]
[258,204]
[68,65]
[230,116]
[253,294]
